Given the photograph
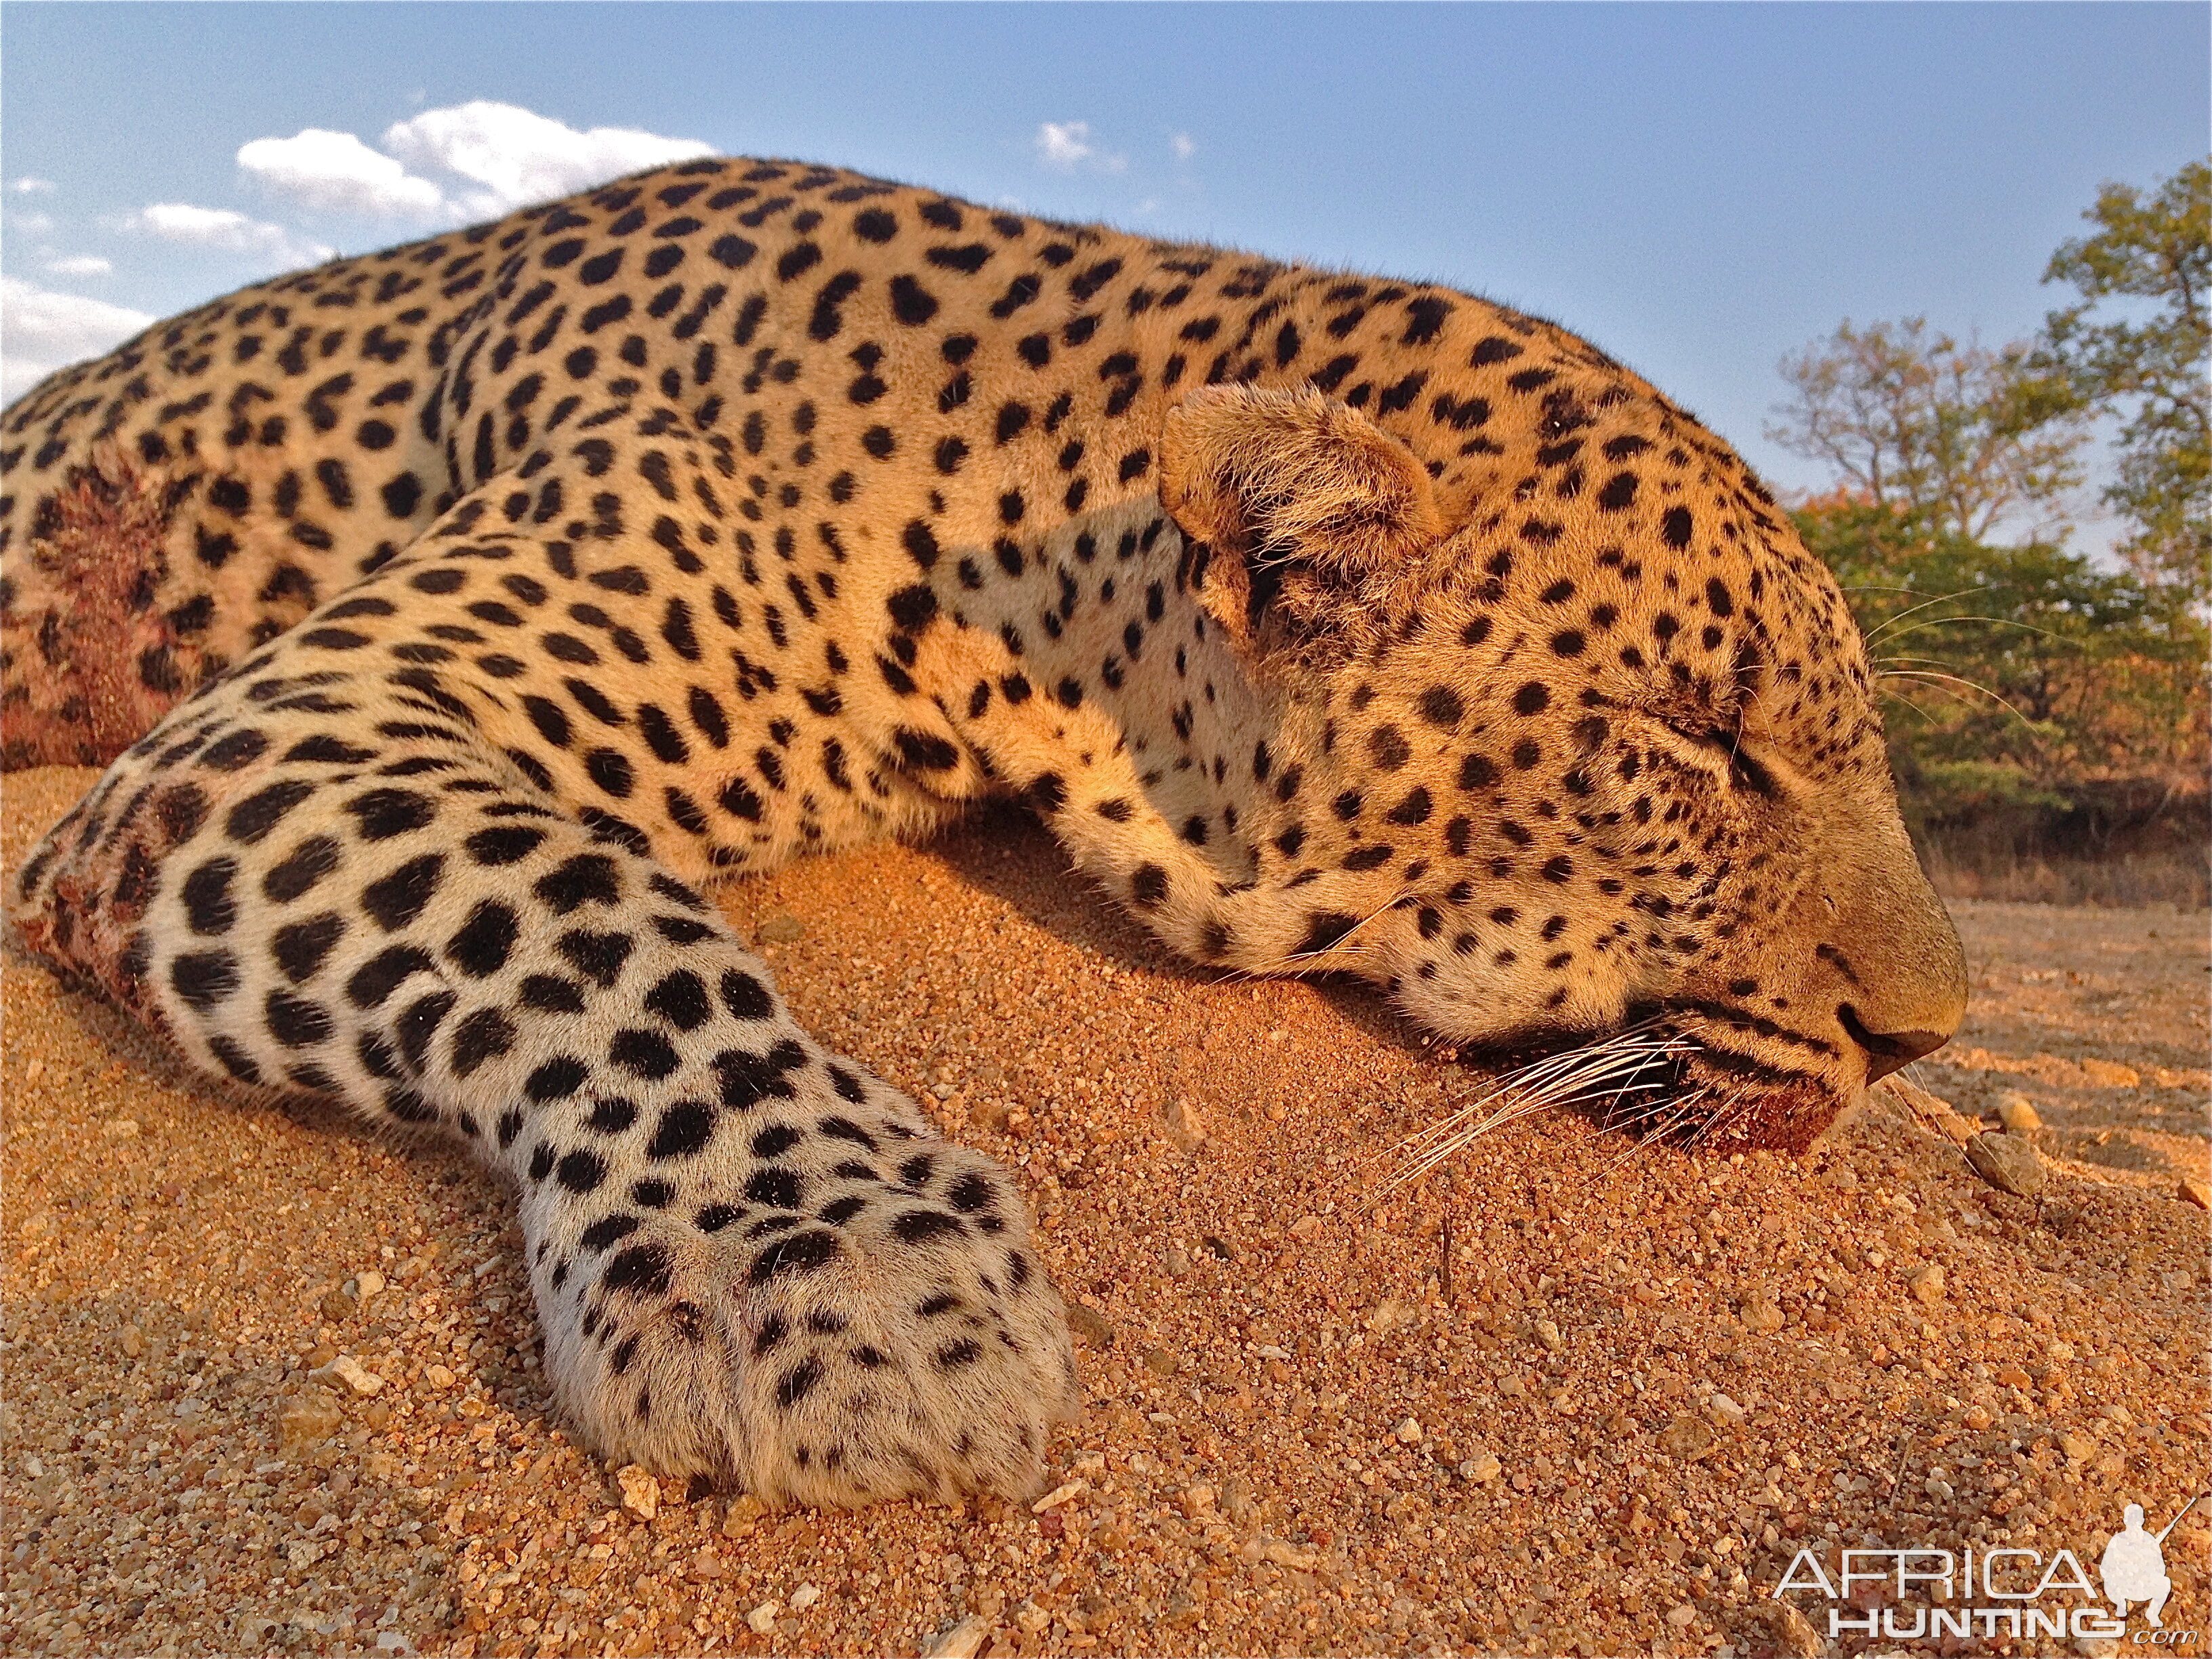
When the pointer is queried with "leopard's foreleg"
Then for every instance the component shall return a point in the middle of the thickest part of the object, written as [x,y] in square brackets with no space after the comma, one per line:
[753,1260]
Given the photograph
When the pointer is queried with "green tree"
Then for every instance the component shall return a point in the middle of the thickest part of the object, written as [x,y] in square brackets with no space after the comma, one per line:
[2149,372]
[1959,437]
[2011,675]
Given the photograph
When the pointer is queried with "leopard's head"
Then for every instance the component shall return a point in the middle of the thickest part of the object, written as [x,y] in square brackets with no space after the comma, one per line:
[1591,748]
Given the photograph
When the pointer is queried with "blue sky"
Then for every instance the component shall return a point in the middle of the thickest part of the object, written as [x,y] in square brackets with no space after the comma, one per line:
[1698,189]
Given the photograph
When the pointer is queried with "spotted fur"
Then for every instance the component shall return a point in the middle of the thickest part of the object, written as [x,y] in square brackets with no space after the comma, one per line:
[485,596]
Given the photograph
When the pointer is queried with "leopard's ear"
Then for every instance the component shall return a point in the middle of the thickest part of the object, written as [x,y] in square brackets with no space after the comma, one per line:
[1308,514]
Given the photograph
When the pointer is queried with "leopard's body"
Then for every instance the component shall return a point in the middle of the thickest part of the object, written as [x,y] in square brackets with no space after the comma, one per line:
[493,593]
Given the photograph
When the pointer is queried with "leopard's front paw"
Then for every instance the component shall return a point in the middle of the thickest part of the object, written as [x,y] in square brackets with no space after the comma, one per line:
[895,1338]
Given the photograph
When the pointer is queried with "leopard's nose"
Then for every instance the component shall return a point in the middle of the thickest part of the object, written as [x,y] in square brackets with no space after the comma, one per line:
[1889,1051]
[1899,971]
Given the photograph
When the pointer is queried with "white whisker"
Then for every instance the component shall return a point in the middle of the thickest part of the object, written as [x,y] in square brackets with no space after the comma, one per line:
[1602,1072]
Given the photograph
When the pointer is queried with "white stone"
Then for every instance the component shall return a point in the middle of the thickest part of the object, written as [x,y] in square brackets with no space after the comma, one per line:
[350,1371]
[964,1641]
[641,1492]
[1059,1495]
[761,1619]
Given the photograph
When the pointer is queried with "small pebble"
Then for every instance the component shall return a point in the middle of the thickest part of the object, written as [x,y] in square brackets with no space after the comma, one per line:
[761,1619]
[1481,1469]
[1792,1630]
[2195,1192]
[963,1641]
[2007,1162]
[438,1376]
[1547,1333]
[1031,1617]
[1761,1313]
[307,1419]
[1927,1282]
[743,1515]
[1682,1615]
[1686,1436]
[134,1342]
[1058,1495]
[1185,1126]
[2018,1115]
[1090,1326]
[119,1128]
[641,1492]
[805,1598]
[369,1284]
[1409,1432]
[350,1371]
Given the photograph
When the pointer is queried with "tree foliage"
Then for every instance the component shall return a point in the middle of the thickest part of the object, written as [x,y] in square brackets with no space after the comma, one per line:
[2019,678]
[2149,372]
[2027,658]
[1955,435]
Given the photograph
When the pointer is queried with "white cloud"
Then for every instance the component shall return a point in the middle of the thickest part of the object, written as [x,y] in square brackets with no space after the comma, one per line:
[29,186]
[1064,146]
[1183,145]
[42,331]
[517,157]
[225,230]
[331,172]
[31,224]
[80,264]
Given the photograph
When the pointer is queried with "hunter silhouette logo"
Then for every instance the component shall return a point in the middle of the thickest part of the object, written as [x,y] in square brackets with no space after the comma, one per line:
[2134,1566]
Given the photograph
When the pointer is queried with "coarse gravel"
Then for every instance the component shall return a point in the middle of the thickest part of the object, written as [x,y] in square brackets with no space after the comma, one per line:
[271,1383]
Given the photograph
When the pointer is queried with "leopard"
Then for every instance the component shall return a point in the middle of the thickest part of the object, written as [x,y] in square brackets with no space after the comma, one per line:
[451,620]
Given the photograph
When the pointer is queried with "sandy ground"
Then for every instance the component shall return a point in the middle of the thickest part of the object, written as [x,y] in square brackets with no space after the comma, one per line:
[1570,1395]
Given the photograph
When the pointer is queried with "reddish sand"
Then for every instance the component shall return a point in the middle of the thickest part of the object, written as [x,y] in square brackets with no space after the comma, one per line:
[1571,1395]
